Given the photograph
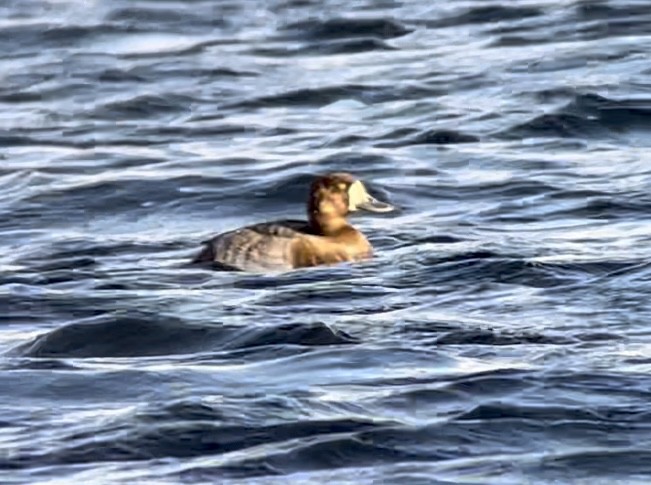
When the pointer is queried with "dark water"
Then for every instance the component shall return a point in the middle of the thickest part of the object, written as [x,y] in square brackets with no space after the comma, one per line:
[500,336]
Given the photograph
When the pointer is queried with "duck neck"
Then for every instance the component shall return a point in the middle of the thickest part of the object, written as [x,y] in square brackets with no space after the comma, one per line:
[326,224]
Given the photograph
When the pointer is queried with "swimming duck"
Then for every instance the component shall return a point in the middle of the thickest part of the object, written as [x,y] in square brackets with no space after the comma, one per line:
[325,238]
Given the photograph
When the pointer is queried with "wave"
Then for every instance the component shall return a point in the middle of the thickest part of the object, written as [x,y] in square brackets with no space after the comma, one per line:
[338,28]
[427,137]
[144,334]
[587,115]
[316,97]
[490,14]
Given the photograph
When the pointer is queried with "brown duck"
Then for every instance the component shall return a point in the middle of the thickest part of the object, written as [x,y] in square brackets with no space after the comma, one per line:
[325,238]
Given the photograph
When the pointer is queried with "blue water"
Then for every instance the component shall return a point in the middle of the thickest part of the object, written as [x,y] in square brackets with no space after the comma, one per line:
[500,336]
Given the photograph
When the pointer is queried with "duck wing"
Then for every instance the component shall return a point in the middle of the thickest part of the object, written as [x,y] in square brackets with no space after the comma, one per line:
[258,247]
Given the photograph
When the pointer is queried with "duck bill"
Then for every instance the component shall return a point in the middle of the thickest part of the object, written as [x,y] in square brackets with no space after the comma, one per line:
[371,204]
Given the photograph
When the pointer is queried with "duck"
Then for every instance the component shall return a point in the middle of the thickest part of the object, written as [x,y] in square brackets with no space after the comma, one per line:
[325,238]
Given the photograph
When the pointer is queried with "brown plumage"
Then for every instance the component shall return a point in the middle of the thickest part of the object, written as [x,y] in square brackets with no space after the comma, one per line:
[325,238]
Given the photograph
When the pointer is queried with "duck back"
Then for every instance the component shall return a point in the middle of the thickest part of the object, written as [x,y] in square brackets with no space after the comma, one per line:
[259,247]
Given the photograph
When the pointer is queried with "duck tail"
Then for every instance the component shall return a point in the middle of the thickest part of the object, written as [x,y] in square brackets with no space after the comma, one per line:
[206,255]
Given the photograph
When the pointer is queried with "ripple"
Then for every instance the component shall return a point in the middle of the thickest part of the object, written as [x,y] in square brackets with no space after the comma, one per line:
[488,14]
[144,107]
[346,46]
[155,17]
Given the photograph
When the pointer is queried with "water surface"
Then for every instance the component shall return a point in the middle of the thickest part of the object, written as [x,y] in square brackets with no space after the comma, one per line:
[499,336]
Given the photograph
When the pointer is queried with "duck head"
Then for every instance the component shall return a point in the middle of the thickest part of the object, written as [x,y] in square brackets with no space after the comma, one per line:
[334,196]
